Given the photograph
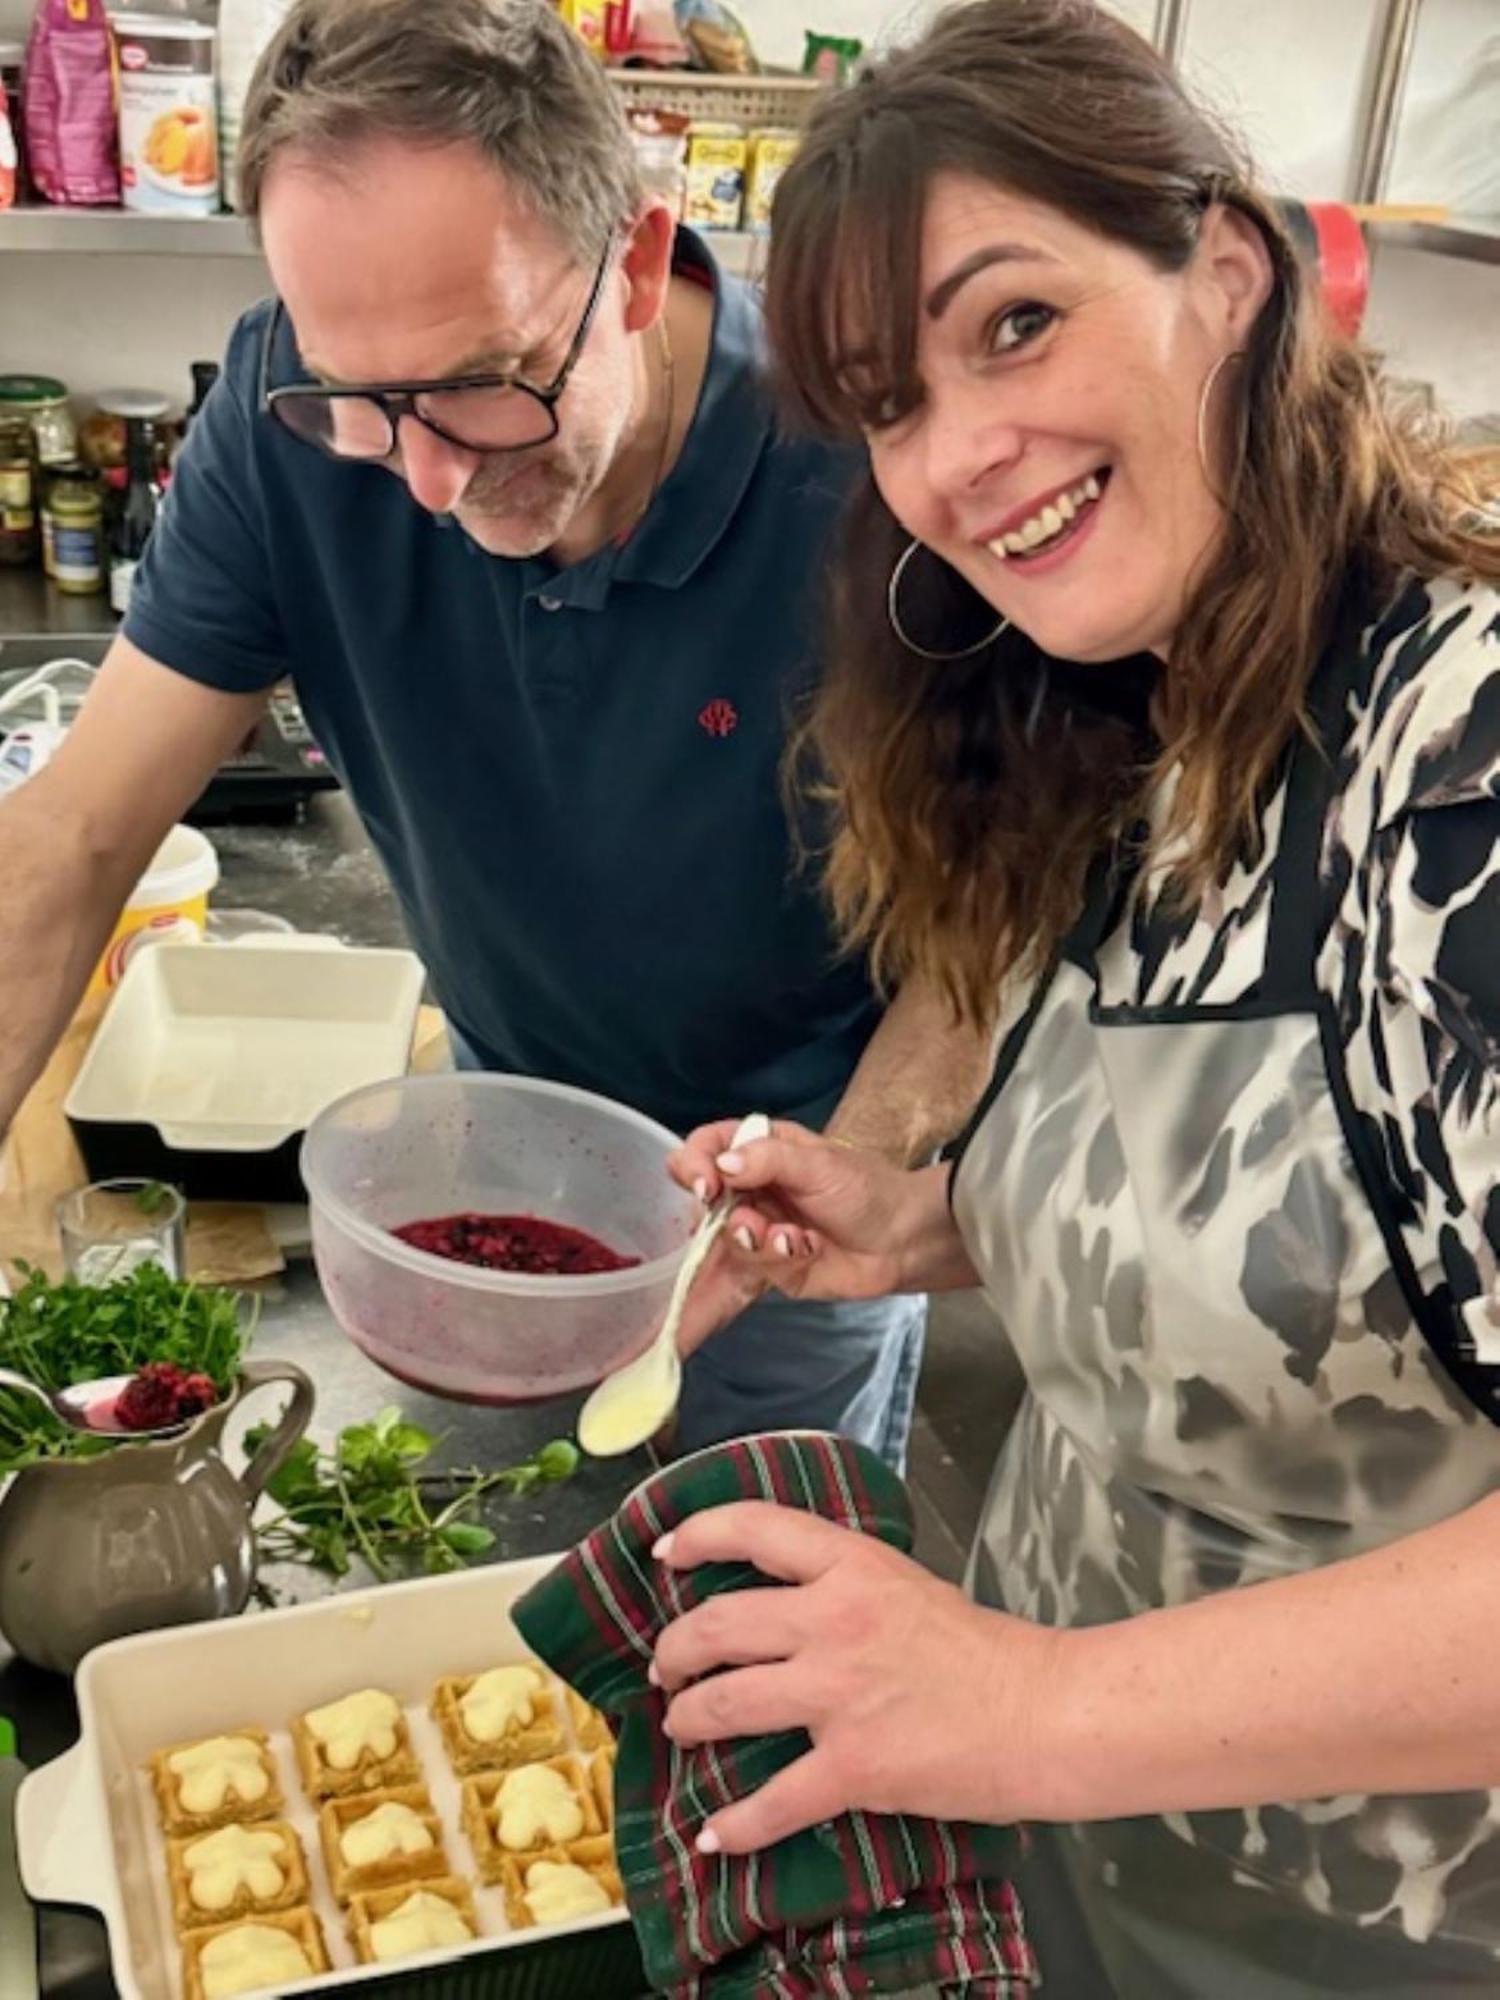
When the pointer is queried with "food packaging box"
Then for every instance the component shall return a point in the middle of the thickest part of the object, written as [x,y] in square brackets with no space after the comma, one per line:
[715,177]
[211,1062]
[771,153]
[89,1832]
[587,20]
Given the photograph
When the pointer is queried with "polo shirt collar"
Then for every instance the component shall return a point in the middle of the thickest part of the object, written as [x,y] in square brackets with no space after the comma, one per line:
[729,432]
[700,497]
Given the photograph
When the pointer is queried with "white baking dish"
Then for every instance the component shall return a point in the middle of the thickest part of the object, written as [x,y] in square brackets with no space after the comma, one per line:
[210,1063]
[87,1823]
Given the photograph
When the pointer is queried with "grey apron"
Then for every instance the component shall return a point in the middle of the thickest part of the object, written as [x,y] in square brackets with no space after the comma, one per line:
[1173,1214]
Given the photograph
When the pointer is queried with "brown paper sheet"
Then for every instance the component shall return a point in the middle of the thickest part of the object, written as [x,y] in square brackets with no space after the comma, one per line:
[227,1244]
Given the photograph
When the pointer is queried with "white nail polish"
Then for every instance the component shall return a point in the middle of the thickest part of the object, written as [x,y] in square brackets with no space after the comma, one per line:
[700,1188]
[743,1237]
[783,1243]
[707,1841]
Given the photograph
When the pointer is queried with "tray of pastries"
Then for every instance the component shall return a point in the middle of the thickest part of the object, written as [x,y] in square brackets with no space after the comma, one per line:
[381,1788]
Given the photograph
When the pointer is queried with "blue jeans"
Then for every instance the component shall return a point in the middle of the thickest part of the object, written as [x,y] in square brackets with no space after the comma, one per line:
[849,1366]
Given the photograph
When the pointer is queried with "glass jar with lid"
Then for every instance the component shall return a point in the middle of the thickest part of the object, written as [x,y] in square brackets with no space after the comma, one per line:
[44,402]
[73,530]
[20,535]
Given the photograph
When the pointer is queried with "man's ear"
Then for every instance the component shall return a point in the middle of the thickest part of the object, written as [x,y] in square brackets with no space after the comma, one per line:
[647,265]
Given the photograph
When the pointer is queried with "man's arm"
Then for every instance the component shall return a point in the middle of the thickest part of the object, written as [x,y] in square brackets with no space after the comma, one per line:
[917,1081]
[76,838]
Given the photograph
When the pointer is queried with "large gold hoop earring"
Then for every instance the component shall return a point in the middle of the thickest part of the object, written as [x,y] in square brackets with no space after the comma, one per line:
[1235,354]
[893,612]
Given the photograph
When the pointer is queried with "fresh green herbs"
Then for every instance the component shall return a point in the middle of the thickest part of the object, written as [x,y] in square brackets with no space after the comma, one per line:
[59,1334]
[367,1497]
[153,1197]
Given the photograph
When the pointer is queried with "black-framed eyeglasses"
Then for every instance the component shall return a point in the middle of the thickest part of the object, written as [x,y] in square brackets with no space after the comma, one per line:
[478,412]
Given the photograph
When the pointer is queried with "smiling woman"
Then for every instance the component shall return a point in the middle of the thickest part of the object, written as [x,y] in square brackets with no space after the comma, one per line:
[1044,286]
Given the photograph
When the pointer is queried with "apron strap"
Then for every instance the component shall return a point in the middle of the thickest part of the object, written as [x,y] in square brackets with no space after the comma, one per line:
[1104,895]
[1295,929]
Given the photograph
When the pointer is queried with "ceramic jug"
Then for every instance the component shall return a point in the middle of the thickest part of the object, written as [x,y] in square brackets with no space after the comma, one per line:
[151,1532]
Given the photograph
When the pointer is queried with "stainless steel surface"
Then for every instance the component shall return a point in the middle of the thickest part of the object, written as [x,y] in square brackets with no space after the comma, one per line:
[31,606]
[1475,238]
[1388,86]
[297,1326]
[1169,31]
[121,232]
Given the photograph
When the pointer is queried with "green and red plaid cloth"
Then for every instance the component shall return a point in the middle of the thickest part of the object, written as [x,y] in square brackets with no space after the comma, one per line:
[867,1903]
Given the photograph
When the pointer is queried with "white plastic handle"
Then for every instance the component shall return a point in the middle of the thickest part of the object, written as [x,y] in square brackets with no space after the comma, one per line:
[60,1833]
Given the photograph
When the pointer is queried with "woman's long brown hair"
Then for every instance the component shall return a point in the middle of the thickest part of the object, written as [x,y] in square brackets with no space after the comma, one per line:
[970,797]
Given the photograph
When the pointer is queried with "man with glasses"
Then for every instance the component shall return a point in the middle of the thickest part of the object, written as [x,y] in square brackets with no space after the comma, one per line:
[496,481]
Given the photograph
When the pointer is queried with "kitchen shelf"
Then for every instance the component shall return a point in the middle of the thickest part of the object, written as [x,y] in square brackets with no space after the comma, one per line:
[116,232]
[1476,239]
[123,232]
[759,100]
[31,607]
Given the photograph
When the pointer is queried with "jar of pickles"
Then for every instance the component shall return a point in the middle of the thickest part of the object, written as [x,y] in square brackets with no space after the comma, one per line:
[43,401]
[73,531]
[20,536]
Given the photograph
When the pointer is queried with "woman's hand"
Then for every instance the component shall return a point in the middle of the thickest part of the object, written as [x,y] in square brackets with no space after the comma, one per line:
[820,1220]
[916,1700]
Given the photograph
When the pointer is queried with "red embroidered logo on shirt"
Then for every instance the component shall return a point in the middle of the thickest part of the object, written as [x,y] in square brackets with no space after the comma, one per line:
[719,718]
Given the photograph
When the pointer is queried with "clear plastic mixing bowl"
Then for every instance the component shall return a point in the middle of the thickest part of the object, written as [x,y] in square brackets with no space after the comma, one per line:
[424,1146]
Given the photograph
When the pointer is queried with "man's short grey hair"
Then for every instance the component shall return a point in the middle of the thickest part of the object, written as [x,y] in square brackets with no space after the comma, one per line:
[506,75]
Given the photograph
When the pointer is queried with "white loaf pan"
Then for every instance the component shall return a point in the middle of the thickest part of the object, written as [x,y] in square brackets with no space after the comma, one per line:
[87,1823]
[210,1063]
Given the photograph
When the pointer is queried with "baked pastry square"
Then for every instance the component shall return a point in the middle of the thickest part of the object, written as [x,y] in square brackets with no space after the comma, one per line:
[562,1885]
[256,1955]
[602,1784]
[498,1720]
[357,1744]
[215,1779]
[527,1811]
[239,1870]
[590,1729]
[386,1924]
[375,1840]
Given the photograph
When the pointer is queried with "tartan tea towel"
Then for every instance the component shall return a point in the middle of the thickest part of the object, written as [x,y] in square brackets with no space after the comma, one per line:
[867,1903]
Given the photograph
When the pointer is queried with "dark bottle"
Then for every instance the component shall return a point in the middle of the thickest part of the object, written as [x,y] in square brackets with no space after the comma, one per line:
[205,374]
[137,511]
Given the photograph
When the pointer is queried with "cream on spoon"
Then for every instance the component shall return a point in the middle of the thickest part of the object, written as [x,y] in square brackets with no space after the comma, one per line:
[631,1405]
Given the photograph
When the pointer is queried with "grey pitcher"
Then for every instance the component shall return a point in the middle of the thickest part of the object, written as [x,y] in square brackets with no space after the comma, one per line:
[151,1532]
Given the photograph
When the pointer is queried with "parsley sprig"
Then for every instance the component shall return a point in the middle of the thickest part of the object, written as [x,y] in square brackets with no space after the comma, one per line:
[367,1497]
[60,1334]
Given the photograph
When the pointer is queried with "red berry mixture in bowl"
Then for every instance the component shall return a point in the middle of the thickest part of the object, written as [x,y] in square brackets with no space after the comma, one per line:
[494,1238]
[514,1243]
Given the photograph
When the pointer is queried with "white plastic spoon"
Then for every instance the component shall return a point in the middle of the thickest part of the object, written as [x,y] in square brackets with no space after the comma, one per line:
[631,1405]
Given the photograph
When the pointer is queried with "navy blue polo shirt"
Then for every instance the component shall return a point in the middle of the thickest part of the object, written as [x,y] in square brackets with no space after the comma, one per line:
[571,775]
